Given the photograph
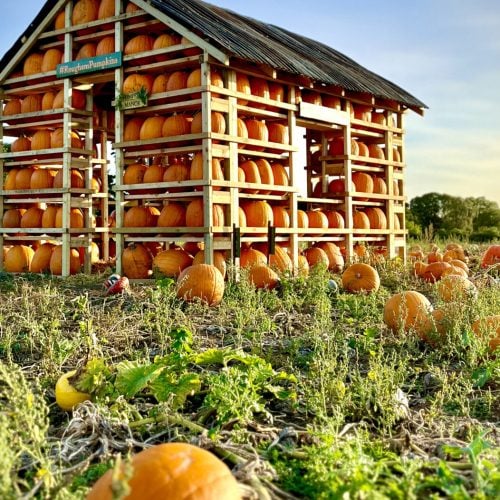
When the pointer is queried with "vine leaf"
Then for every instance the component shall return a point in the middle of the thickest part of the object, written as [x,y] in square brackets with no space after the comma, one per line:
[167,387]
[132,377]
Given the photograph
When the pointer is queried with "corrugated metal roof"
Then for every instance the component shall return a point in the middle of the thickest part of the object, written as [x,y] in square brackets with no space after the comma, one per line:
[255,41]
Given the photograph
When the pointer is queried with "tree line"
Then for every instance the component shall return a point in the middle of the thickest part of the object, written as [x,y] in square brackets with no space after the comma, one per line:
[445,216]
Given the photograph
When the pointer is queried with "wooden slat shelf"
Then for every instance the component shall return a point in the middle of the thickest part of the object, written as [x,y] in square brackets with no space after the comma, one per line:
[40,116]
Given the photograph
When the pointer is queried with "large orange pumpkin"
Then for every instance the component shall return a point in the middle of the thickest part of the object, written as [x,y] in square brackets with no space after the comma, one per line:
[49,216]
[262,276]
[335,219]
[491,256]
[48,100]
[106,9]
[164,41]
[201,282]
[280,175]
[280,260]
[32,218]
[141,216]
[278,133]
[32,103]
[172,262]
[160,84]
[252,174]
[280,216]
[172,215]
[139,43]
[12,217]
[22,143]
[76,218]
[219,260]
[434,271]
[377,218]
[174,125]
[23,177]
[42,178]
[151,128]
[132,131]
[138,81]
[250,257]
[360,278]
[335,258]
[196,171]
[56,265]
[258,213]
[258,131]
[13,107]
[33,64]
[265,173]
[40,140]
[154,174]
[134,173]
[177,81]
[316,257]
[76,179]
[41,258]
[489,327]
[85,11]
[57,139]
[195,216]
[218,123]
[455,288]
[317,219]
[86,50]
[173,471]
[78,99]
[105,46]
[243,86]
[18,259]
[137,261]
[407,310]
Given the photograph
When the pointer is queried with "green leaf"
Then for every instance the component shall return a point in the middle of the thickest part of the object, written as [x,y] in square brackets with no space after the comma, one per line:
[132,377]
[167,387]
[480,376]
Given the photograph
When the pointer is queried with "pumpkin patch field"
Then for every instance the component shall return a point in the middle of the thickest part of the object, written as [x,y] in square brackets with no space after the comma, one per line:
[365,380]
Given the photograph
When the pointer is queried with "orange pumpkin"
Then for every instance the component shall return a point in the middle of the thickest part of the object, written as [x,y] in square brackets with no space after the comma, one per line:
[60,21]
[86,50]
[49,216]
[376,152]
[201,282]
[196,171]
[489,327]
[278,133]
[57,139]
[219,260]
[242,131]
[40,140]
[78,99]
[33,64]
[263,277]
[195,215]
[172,215]
[177,172]
[336,147]
[154,174]
[132,131]
[265,173]
[377,218]
[312,97]
[280,175]
[172,262]
[218,123]
[85,11]
[177,81]
[280,216]
[316,257]
[32,218]
[379,185]
[258,213]
[360,278]
[13,107]
[280,260]
[134,173]
[48,101]
[21,144]
[12,217]
[32,103]
[252,174]
[160,84]
[174,125]
[56,265]
[40,262]
[363,182]
[18,259]
[151,128]
[23,178]
[360,220]
[138,81]
[434,271]
[317,219]
[106,9]
[406,311]
[105,46]
[335,258]
[250,257]
[76,179]
[379,118]
[455,288]
[257,130]
[491,256]
[75,216]
[141,216]
[139,43]
[136,261]
[164,41]
[194,80]
[42,178]
[243,86]
[335,219]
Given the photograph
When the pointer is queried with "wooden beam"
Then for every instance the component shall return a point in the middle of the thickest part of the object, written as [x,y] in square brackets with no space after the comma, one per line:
[32,39]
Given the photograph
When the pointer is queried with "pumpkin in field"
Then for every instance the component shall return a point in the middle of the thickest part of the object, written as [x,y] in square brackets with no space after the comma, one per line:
[56,266]
[67,397]
[139,43]
[250,257]
[316,257]
[488,327]
[41,258]
[434,271]
[491,256]
[201,281]
[335,258]
[137,261]
[171,262]
[262,276]
[360,278]
[173,471]
[18,259]
[219,260]
[406,311]
[455,288]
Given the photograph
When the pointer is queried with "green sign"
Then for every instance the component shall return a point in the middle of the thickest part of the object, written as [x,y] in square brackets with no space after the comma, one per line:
[89,65]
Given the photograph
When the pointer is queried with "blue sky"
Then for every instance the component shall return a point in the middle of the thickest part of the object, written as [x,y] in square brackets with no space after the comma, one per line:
[445,52]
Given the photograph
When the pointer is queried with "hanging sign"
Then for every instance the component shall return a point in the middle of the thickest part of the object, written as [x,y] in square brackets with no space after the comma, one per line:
[89,65]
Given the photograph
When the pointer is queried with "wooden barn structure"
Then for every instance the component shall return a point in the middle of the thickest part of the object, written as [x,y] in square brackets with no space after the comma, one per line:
[225,132]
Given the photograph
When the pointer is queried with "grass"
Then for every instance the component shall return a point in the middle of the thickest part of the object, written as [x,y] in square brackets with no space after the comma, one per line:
[302,390]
